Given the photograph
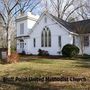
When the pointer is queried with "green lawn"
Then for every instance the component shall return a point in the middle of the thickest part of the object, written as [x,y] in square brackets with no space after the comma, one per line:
[32,66]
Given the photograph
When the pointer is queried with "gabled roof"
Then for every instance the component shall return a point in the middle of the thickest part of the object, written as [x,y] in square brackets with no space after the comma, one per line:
[62,22]
[82,27]
[79,27]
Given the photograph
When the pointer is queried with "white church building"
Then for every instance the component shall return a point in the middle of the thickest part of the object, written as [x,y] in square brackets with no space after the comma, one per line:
[49,33]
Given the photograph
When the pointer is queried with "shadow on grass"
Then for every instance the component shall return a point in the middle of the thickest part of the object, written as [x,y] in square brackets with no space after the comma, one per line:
[85,63]
[80,61]
[36,86]
[29,86]
[25,57]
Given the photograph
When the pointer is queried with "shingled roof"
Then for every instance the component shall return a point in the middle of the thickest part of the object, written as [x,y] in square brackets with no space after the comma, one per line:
[82,27]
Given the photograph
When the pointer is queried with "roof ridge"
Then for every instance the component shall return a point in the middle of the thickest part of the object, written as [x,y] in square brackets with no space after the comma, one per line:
[71,26]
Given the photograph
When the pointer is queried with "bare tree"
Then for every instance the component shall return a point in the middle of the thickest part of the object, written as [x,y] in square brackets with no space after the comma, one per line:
[81,11]
[64,8]
[28,6]
[6,14]
[80,29]
[9,8]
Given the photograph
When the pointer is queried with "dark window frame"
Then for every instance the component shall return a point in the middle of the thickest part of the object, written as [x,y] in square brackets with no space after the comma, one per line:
[86,41]
[22,44]
[34,42]
[59,41]
[46,37]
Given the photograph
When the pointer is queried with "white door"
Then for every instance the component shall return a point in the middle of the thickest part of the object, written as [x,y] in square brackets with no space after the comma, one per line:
[21,46]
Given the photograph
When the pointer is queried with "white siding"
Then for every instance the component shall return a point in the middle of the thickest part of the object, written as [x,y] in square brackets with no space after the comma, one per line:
[87,48]
[28,24]
[56,31]
[25,28]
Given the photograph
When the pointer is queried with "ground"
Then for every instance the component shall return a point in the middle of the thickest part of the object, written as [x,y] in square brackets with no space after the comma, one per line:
[34,66]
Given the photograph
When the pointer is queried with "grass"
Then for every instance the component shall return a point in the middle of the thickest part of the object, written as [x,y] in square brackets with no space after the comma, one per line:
[33,66]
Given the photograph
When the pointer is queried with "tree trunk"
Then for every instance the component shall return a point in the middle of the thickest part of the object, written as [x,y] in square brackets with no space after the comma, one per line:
[58,9]
[81,41]
[9,46]
[8,43]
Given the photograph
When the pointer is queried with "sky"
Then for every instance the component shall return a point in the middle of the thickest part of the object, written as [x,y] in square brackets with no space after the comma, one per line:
[72,7]
[41,7]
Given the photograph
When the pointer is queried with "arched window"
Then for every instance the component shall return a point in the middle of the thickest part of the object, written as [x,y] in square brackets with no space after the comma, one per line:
[42,39]
[49,38]
[46,37]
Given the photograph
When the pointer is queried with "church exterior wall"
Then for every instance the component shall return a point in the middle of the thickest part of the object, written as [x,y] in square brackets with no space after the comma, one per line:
[25,28]
[86,49]
[56,31]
